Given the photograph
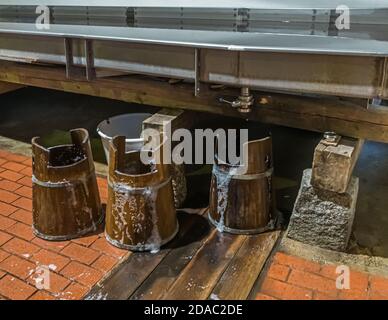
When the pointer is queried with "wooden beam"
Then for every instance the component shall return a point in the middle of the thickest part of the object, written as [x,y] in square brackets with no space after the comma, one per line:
[7,87]
[174,117]
[348,118]
[333,164]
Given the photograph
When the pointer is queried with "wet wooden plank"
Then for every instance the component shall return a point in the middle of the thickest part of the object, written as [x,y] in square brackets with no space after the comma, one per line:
[127,278]
[241,274]
[198,279]
[122,283]
[199,263]
[165,274]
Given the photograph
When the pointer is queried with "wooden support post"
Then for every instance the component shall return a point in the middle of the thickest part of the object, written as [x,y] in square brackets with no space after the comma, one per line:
[7,87]
[176,119]
[333,164]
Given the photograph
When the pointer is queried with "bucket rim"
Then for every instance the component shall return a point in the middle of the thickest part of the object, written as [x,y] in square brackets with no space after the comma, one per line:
[77,163]
[130,140]
[107,137]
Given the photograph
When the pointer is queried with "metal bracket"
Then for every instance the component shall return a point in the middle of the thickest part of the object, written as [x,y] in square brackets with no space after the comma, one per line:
[197,71]
[384,79]
[89,56]
[76,72]
[71,70]
[331,138]
[374,103]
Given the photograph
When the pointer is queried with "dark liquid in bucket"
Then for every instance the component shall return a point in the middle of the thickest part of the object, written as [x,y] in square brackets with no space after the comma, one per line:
[65,155]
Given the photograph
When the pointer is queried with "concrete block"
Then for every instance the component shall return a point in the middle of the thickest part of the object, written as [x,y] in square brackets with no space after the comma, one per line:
[323,218]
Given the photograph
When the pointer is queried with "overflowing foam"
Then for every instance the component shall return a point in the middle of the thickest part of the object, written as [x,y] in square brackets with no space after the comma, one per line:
[223,179]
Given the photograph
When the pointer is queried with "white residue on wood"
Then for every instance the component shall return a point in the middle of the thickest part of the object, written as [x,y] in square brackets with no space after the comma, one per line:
[131,210]
[222,184]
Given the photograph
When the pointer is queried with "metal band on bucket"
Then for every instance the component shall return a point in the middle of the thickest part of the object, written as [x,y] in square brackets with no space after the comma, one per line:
[81,233]
[141,247]
[117,187]
[60,184]
[256,176]
[270,226]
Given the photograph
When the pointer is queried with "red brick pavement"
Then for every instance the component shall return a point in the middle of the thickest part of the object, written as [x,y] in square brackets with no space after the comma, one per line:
[292,278]
[78,264]
[75,265]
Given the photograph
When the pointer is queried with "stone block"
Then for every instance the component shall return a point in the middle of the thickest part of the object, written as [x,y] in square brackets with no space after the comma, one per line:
[323,218]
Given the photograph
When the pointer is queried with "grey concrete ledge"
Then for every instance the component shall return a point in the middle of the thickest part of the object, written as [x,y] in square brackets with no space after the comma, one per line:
[373,265]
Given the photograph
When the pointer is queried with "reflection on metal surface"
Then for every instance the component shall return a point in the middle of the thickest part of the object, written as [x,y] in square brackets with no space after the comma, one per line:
[230,41]
[254,4]
[278,45]
[291,17]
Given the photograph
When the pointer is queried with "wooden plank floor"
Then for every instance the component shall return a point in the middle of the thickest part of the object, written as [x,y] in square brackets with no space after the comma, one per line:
[200,263]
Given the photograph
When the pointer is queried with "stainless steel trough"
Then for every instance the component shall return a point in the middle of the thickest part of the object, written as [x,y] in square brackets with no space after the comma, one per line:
[289,46]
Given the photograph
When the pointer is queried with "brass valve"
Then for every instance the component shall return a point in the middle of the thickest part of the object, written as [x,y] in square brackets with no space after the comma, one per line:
[243,103]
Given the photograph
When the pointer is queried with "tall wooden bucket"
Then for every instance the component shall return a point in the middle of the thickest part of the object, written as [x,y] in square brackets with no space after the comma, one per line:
[141,214]
[66,202]
[241,198]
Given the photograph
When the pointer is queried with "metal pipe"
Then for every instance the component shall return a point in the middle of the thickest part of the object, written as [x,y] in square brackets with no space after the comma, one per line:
[197,66]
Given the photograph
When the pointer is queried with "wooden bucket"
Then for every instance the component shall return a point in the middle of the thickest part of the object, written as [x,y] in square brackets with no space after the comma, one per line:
[241,198]
[66,202]
[141,214]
